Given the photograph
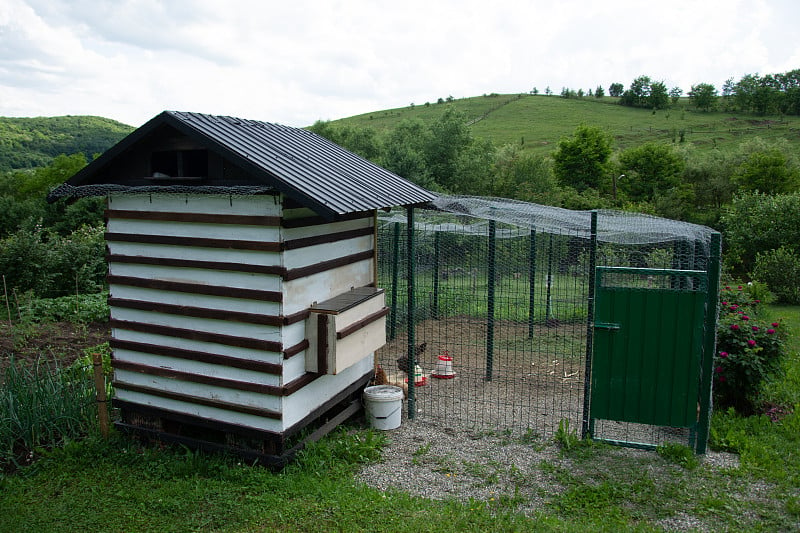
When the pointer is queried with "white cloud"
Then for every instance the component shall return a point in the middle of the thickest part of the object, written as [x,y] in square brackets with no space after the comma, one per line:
[295,62]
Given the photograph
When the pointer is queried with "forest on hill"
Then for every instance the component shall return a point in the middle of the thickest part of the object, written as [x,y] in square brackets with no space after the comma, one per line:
[27,143]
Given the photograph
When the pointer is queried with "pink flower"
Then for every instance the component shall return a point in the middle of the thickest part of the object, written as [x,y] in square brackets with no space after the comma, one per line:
[727,287]
[740,287]
[734,307]
[718,370]
[745,317]
[724,355]
[724,303]
[722,379]
[770,331]
[751,342]
[775,324]
[755,328]
[757,301]
[734,327]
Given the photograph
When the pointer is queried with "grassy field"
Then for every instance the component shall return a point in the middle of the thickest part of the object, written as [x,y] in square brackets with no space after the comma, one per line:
[118,485]
[539,122]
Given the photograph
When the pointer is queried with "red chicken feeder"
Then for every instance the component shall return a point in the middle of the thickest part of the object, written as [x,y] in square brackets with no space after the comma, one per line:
[444,367]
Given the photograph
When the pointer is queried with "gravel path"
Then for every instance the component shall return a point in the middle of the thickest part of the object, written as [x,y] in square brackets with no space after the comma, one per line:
[435,461]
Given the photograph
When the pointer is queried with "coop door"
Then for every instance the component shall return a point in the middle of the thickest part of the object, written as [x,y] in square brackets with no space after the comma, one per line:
[648,342]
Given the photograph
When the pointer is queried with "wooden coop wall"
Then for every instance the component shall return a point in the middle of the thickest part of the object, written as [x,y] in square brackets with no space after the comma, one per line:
[209,299]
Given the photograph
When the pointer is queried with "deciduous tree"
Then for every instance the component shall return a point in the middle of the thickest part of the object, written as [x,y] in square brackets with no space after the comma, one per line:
[703,96]
[581,161]
[650,169]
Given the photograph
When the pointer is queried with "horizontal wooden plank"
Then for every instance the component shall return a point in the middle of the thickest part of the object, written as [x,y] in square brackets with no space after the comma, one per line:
[274,270]
[218,404]
[197,312]
[299,383]
[217,338]
[171,240]
[212,381]
[154,412]
[197,218]
[323,266]
[197,288]
[202,357]
[296,349]
[304,222]
[366,321]
[294,244]
[299,316]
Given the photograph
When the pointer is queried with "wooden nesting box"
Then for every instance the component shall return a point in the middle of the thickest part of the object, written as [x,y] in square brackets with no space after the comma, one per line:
[242,277]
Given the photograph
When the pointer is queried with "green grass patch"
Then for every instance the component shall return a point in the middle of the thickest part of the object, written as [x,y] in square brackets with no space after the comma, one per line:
[784,390]
[120,486]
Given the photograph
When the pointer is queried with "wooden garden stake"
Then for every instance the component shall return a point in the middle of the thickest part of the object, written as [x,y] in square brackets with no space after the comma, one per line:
[5,293]
[100,385]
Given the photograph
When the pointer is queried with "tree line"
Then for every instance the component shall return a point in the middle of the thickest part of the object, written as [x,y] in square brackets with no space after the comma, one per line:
[753,93]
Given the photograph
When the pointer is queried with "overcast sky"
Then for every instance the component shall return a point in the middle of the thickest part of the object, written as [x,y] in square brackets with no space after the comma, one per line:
[296,61]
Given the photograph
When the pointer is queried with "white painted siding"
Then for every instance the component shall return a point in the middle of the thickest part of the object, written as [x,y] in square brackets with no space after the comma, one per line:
[222,204]
[221,278]
[196,253]
[197,368]
[210,413]
[204,325]
[197,346]
[298,295]
[196,300]
[302,403]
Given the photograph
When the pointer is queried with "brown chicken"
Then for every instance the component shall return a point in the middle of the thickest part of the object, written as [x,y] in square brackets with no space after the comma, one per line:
[402,362]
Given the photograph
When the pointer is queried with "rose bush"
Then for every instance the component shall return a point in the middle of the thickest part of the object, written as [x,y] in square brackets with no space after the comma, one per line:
[748,350]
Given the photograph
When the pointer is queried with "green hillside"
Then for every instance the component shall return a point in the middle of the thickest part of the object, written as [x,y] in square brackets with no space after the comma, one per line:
[34,142]
[538,122]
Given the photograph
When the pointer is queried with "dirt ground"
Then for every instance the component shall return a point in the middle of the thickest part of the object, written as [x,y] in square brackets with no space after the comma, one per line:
[60,342]
[528,384]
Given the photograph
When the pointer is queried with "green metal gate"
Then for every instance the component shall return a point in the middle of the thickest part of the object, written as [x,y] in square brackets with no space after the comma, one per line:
[649,339]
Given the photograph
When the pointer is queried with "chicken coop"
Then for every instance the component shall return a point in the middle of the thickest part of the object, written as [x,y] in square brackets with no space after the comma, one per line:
[243,284]
[532,320]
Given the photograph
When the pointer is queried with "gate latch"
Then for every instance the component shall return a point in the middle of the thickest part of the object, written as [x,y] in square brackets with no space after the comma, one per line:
[606,325]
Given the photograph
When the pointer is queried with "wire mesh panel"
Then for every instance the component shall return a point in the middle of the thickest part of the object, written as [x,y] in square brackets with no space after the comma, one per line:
[502,300]
[500,322]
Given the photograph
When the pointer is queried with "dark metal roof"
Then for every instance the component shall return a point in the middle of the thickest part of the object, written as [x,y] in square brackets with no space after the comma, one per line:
[303,165]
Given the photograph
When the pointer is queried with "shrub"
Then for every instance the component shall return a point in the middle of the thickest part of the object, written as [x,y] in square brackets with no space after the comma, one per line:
[780,270]
[748,350]
[755,223]
[50,265]
[80,309]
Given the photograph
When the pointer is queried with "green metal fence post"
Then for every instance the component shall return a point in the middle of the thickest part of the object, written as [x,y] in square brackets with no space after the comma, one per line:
[709,343]
[411,326]
[395,280]
[435,303]
[490,300]
[548,303]
[587,372]
[531,281]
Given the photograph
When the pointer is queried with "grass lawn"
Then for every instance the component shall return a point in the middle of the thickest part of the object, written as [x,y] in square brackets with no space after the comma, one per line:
[117,485]
[537,123]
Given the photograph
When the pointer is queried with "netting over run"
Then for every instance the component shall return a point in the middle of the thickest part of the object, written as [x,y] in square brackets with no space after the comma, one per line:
[500,298]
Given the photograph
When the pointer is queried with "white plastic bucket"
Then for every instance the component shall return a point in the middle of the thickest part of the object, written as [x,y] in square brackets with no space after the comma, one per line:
[384,406]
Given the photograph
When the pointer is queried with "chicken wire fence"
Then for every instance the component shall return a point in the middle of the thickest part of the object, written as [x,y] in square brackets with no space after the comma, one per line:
[492,299]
